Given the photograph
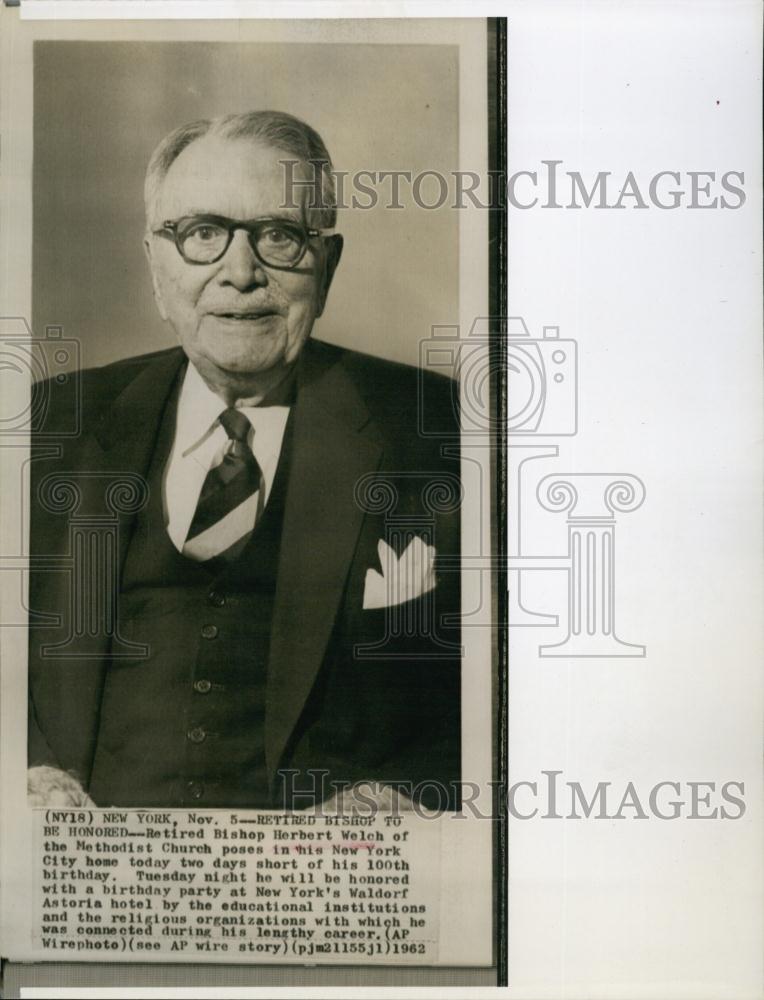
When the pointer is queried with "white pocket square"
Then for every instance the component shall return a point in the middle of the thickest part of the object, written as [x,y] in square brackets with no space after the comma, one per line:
[402,578]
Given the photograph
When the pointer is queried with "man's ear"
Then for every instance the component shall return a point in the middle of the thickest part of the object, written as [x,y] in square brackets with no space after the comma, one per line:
[154,279]
[331,260]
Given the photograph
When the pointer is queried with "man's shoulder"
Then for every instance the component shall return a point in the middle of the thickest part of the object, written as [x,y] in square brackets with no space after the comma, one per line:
[113,375]
[88,390]
[397,394]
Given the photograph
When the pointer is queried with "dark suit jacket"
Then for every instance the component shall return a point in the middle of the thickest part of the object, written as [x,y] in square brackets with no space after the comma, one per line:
[363,468]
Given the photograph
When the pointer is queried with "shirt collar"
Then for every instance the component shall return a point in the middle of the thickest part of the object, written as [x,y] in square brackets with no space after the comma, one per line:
[199,408]
[198,411]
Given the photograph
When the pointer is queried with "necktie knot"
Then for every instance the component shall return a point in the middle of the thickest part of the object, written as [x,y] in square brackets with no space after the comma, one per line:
[235,424]
[228,503]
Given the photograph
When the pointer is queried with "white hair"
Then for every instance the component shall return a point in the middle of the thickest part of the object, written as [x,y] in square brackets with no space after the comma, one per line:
[274,128]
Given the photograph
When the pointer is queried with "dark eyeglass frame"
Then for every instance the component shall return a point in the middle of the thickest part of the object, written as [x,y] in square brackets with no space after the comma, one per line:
[170,231]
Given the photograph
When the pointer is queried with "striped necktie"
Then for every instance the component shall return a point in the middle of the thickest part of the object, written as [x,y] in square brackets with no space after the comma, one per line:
[228,502]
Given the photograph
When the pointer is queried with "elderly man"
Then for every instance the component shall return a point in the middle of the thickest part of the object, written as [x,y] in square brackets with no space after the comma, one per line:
[279,624]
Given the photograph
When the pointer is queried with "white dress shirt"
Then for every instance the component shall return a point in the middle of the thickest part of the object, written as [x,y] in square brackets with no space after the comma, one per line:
[199,444]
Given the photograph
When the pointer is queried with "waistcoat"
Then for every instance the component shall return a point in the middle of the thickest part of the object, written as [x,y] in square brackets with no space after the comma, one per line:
[182,724]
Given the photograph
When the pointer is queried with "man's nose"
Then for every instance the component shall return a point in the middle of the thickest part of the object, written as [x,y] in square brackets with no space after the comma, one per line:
[240,267]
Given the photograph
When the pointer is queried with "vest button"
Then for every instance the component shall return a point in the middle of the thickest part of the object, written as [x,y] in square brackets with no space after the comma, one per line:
[197,735]
[216,599]
[195,789]
[209,631]
[202,686]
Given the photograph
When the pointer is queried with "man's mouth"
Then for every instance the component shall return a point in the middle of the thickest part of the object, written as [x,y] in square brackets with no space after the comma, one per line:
[244,316]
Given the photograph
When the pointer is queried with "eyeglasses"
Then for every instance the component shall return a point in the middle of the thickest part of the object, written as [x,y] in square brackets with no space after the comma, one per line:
[204,239]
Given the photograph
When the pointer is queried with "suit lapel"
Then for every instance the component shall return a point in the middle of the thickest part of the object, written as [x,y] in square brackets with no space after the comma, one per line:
[125,438]
[334,444]
[128,429]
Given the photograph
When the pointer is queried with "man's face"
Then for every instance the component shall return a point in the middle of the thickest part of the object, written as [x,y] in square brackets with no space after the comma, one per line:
[235,318]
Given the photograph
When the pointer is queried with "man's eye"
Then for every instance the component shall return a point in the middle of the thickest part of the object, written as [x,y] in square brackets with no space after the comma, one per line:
[276,236]
[204,233]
